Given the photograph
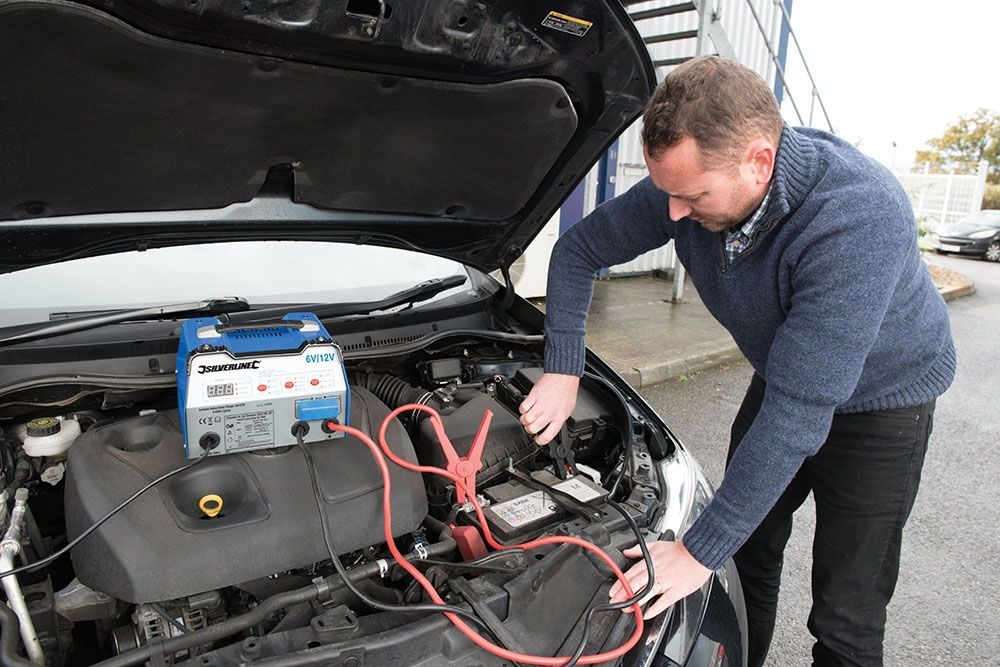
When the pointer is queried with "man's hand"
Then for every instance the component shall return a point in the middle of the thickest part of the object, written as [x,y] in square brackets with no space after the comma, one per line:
[548,405]
[676,575]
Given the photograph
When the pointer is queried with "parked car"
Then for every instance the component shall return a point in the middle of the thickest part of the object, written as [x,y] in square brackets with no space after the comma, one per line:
[356,168]
[977,234]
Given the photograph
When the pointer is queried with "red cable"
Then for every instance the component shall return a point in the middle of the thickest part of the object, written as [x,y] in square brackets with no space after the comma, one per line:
[486,645]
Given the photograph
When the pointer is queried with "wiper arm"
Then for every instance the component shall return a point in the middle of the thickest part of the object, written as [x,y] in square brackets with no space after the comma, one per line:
[419,292]
[23,334]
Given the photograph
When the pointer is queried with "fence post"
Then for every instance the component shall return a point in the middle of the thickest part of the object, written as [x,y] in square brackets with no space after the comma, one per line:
[977,198]
[947,197]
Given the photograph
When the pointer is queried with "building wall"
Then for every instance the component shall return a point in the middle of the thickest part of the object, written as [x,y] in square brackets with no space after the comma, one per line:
[751,49]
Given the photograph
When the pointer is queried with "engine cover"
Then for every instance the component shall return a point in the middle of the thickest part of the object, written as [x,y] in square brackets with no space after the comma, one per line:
[162,545]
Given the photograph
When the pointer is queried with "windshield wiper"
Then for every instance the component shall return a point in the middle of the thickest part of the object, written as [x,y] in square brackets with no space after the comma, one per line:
[23,334]
[419,292]
[407,297]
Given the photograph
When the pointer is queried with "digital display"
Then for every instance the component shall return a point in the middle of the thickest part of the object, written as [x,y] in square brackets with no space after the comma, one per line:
[216,390]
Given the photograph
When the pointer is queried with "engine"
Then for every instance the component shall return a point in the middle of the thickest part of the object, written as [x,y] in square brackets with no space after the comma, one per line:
[165,546]
[169,566]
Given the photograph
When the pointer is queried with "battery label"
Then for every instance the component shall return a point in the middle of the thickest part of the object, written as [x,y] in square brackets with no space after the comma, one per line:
[249,429]
[574,487]
[526,509]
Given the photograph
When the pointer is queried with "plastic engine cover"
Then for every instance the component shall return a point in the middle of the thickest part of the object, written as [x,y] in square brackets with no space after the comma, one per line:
[162,546]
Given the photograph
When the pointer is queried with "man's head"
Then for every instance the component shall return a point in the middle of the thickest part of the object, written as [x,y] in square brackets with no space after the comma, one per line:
[710,135]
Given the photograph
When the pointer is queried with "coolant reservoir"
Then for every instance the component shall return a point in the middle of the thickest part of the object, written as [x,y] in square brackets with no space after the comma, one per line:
[50,437]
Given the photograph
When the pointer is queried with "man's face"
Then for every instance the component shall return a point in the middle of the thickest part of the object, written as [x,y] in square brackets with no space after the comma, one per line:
[717,198]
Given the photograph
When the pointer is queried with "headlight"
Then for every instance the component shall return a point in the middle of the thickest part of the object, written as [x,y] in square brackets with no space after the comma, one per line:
[687,494]
[982,234]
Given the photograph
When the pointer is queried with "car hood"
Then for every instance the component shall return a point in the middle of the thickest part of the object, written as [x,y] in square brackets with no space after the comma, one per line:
[965,228]
[454,127]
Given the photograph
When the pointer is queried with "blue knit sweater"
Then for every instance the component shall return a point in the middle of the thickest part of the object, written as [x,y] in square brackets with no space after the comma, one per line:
[832,306]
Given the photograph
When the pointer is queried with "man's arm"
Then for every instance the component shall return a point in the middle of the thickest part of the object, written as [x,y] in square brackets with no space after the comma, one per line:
[842,286]
[842,283]
[615,232]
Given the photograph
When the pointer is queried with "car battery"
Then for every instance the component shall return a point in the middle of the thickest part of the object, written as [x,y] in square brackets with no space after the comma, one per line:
[243,387]
[518,511]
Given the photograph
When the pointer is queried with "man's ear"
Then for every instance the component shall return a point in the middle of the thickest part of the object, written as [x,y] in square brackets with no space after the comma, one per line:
[760,156]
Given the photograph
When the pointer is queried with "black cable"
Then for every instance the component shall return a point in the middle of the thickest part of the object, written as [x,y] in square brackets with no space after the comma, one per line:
[97,524]
[6,450]
[611,606]
[361,595]
[630,424]
[627,454]
[382,606]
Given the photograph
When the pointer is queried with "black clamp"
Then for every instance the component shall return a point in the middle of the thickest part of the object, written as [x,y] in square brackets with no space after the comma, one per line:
[560,448]
[561,451]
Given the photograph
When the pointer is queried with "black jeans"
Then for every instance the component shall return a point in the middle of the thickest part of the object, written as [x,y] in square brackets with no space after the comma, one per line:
[864,480]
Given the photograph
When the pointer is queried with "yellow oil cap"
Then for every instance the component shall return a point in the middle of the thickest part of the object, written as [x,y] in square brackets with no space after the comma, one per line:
[210,504]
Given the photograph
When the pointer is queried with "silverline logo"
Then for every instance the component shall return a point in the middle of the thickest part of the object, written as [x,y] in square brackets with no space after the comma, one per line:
[242,366]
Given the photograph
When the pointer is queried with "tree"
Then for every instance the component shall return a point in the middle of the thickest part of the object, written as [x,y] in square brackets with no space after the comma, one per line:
[972,138]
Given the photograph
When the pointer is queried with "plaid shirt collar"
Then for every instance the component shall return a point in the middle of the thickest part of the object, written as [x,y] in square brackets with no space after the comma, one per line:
[740,238]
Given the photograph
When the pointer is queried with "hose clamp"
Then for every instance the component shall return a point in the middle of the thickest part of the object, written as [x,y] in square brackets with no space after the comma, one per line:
[322,588]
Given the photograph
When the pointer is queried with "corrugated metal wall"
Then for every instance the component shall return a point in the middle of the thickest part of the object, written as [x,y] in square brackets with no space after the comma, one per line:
[751,48]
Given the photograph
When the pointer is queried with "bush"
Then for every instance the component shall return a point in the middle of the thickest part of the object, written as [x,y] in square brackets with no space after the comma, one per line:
[991,197]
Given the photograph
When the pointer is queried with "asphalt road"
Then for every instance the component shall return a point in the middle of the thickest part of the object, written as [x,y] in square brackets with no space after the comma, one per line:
[945,608]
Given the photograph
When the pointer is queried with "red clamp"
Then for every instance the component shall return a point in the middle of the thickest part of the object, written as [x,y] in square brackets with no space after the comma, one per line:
[464,467]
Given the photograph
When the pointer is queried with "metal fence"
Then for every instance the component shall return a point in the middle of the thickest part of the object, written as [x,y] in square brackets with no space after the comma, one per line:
[940,199]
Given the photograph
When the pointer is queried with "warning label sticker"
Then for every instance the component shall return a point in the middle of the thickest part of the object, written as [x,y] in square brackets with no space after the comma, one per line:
[526,509]
[249,429]
[577,489]
[566,23]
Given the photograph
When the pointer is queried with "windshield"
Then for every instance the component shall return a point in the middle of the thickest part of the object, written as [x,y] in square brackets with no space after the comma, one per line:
[262,272]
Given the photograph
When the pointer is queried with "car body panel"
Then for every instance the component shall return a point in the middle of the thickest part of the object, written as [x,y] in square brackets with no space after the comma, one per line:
[456,129]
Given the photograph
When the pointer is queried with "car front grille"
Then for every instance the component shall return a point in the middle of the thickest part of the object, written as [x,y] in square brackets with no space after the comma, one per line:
[954,240]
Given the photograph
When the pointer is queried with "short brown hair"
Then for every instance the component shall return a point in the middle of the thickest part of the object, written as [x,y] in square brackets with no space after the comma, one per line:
[719,103]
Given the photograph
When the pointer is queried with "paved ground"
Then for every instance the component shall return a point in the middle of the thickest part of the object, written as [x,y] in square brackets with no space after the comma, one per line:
[627,314]
[945,608]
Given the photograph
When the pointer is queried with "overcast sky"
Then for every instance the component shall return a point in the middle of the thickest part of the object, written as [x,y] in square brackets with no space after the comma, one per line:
[896,70]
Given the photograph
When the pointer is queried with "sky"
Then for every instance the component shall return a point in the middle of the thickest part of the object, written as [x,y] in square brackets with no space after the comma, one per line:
[894,70]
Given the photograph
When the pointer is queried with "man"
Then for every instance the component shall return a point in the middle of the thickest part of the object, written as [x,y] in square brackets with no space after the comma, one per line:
[805,250]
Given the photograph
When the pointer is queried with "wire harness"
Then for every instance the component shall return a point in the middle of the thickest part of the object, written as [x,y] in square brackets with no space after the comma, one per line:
[380,452]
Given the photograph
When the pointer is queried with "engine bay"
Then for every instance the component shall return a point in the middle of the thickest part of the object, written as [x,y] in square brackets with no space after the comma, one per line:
[170,580]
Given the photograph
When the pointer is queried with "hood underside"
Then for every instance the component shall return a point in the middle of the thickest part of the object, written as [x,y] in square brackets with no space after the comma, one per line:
[451,126]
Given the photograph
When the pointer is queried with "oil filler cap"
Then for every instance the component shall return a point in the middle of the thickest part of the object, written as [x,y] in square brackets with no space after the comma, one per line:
[210,504]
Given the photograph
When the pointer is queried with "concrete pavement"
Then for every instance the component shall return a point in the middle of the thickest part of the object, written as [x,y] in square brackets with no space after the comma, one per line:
[943,612]
[634,327]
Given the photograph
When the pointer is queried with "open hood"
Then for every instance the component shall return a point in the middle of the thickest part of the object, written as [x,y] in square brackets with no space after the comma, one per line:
[455,127]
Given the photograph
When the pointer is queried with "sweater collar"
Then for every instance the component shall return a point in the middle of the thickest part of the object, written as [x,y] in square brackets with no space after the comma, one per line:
[794,172]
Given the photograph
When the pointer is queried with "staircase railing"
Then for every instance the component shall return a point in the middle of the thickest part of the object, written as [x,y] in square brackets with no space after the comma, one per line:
[710,30]
[710,34]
